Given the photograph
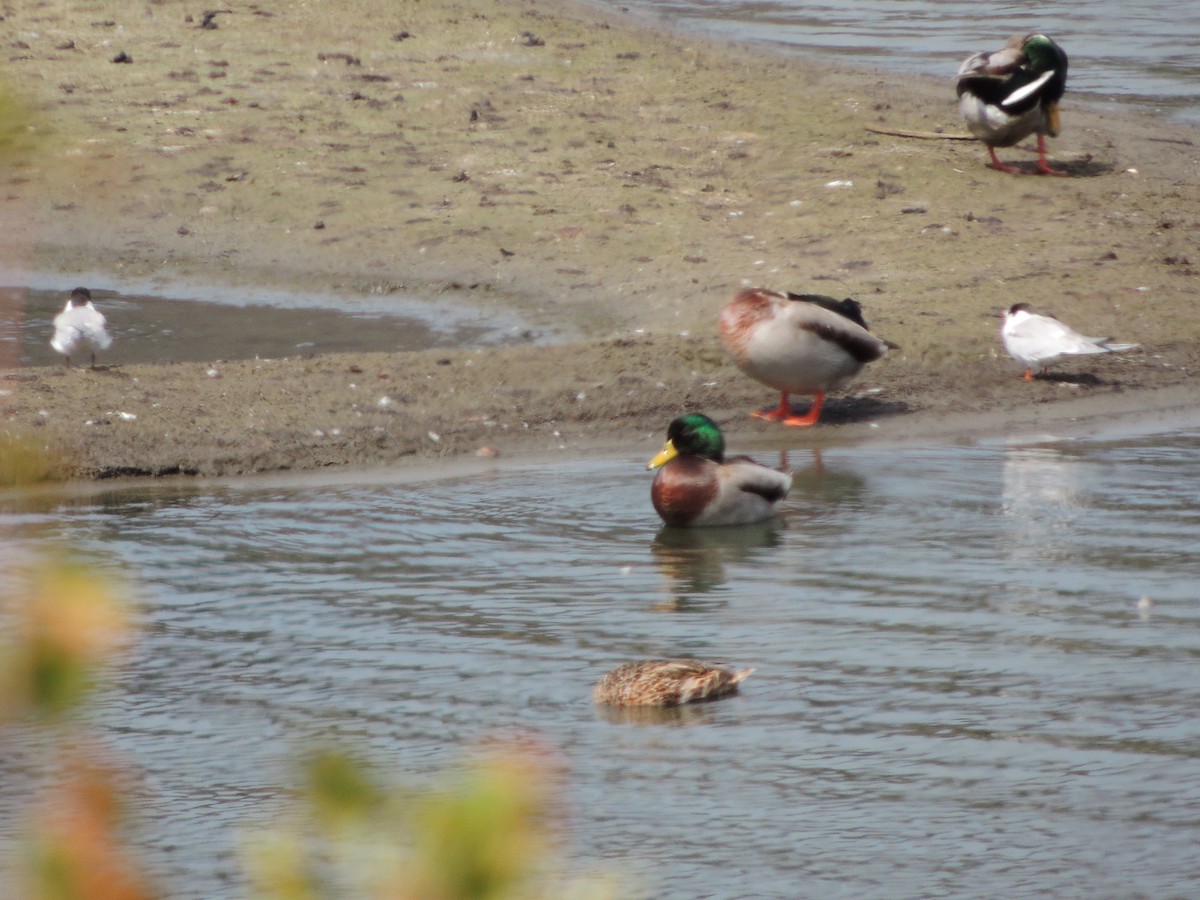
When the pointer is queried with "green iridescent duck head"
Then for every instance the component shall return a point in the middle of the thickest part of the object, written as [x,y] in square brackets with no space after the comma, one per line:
[693,434]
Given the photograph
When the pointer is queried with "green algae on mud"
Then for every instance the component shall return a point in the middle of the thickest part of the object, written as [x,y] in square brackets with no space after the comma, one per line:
[586,172]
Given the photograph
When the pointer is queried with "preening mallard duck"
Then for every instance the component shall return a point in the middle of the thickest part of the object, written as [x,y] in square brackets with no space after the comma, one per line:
[1008,94]
[1037,341]
[80,326]
[696,485]
[798,344]
[666,682]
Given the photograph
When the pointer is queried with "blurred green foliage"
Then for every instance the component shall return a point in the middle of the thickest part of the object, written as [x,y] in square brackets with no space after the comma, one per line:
[489,831]
[65,626]
[18,139]
[26,459]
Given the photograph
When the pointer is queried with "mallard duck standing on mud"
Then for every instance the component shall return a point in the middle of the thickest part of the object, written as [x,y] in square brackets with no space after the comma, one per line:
[798,344]
[1008,94]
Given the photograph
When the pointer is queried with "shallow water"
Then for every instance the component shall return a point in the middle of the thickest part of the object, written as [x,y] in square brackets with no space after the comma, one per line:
[1146,56]
[148,328]
[959,689]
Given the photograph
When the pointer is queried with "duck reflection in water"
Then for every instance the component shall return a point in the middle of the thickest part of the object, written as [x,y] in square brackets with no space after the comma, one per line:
[694,560]
[686,715]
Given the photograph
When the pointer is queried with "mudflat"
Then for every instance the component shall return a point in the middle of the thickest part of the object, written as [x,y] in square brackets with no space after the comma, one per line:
[605,181]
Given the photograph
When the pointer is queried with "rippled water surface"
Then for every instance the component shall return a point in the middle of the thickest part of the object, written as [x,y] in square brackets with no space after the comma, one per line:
[976,666]
[1146,54]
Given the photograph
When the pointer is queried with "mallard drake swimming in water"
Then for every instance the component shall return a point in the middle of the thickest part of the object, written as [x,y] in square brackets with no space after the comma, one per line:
[1038,341]
[798,344]
[696,485]
[1008,94]
[666,682]
[80,326]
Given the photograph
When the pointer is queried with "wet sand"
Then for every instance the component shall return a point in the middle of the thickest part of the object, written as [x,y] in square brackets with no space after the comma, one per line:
[594,177]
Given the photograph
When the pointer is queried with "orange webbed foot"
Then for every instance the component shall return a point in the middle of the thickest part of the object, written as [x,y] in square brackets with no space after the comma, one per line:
[778,414]
[783,413]
[1001,167]
[1043,164]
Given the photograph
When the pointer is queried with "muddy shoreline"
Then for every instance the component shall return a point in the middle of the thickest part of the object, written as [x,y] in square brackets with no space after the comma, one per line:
[587,174]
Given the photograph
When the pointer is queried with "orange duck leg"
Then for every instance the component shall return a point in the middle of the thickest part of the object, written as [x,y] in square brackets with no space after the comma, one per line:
[783,413]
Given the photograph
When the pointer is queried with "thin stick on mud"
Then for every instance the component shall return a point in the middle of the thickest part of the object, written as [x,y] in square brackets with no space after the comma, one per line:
[922,135]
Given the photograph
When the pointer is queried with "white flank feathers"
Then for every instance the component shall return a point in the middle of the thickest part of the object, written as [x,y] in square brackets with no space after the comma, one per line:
[1032,88]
